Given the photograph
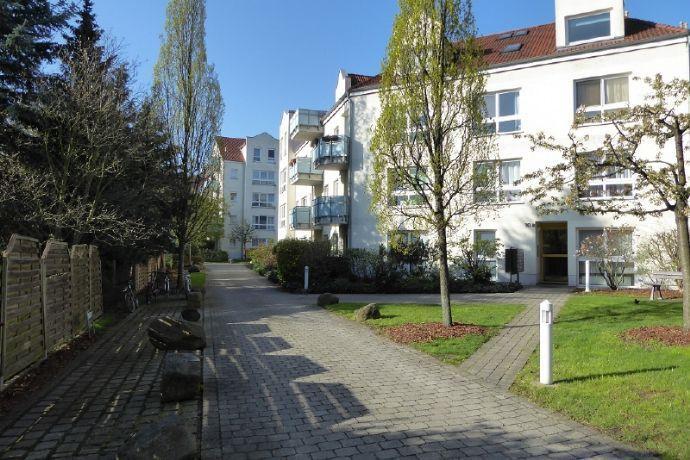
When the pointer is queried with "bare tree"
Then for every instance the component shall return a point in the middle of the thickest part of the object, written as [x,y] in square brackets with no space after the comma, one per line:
[242,233]
[188,96]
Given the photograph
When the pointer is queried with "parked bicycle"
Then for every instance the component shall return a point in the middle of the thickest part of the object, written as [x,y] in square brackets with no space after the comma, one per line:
[131,301]
[159,283]
[187,283]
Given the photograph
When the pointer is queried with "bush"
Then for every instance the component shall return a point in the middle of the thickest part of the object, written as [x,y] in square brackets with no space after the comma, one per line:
[263,259]
[472,260]
[292,256]
[212,255]
[197,260]
[194,269]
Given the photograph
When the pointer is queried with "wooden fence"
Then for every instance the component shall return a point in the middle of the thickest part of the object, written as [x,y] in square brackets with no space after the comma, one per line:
[44,299]
[142,272]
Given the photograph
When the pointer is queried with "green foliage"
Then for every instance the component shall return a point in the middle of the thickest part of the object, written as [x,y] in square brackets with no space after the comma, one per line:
[612,254]
[263,259]
[215,255]
[293,255]
[198,279]
[636,393]
[473,257]
[658,253]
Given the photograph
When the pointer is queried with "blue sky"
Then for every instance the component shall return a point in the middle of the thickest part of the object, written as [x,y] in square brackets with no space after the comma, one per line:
[273,55]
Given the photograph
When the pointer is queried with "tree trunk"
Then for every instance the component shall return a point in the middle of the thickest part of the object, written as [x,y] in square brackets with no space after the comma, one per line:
[444,275]
[684,252]
[180,265]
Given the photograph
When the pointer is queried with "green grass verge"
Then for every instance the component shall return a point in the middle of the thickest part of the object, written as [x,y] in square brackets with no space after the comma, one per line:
[103,323]
[638,394]
[198,279]
[451,351]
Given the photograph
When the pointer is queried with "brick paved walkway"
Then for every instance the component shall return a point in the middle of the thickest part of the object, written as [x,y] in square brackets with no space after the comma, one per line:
[99,399]
[285,379]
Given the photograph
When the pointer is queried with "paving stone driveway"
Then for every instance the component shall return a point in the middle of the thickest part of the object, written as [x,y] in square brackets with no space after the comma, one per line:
[285,379]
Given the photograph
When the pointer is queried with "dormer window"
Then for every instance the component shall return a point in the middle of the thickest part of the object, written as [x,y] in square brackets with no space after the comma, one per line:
[583,29]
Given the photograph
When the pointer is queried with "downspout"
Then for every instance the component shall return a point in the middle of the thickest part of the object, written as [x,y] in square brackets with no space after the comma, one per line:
[350,171]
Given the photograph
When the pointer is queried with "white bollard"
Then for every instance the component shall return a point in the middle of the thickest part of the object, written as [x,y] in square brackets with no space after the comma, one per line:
[306,277]
[587,276]
[545,343]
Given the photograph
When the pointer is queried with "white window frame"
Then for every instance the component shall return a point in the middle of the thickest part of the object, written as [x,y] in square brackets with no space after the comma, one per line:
[605,181]
[268,156]
[256,155]
[261,200]
[234,173]
[603,107]
[283,215]
[263,177]
[256,242]
[594,273]
[492,262]
[233,197]
[269,223]
[500,187]
[586,15]
[497,119]
[283,180]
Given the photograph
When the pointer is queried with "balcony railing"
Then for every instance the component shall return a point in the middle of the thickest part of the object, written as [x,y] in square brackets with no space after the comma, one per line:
[330,210]
[300,218]
[305,125]
[332,153]
[302,172]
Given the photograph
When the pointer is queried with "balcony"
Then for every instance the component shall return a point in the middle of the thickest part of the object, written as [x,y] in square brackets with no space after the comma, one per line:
[300,218]
[302,172]
[305,125]
[332,153]
[330,210]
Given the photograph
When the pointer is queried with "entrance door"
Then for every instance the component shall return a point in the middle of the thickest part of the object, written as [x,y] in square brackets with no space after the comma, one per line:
[553,250]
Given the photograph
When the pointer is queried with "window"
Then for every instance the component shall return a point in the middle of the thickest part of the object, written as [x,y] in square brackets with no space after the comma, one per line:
[282,215]
[257,155]
[264,178]
[595,278]
[271,155]
[233,197]
[256,242]
[490,261]
[263,223]
[283,180]
[587,28]
[263,200]
[502,112]
[402,192]
[497,181]
[336,187]
[609,182]
[598,96]
[234,173]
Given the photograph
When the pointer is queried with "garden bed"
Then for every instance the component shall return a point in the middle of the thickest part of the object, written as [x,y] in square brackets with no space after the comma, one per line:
[669,336]
[635,392]
[420,326]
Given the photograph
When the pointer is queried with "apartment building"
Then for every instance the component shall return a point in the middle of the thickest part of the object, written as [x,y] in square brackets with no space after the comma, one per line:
[249,171]
[537,78]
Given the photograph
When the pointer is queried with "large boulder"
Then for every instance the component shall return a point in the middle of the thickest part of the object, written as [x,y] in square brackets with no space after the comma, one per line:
[191,314]
[370,311]
[168,439]
[327,299]
[170,334]
[181,378]
[195,299]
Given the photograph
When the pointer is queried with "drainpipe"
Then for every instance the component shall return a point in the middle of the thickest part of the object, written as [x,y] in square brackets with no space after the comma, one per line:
[350,172]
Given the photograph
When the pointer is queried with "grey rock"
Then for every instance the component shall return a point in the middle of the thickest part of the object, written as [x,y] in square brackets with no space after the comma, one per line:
[191,315]
[168,334]
[327,299]
[181,380]
[370,311]
[168,439]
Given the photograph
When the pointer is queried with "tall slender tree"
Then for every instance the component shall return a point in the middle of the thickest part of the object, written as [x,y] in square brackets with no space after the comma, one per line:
[85,35]
[426,142]
[188,98]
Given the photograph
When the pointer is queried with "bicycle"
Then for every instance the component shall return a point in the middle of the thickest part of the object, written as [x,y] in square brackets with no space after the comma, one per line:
[159,283]
[187,283]
[131,301]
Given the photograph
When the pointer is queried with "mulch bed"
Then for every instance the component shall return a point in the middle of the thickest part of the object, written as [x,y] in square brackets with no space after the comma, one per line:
[428,332]
[641,294]
[671,336]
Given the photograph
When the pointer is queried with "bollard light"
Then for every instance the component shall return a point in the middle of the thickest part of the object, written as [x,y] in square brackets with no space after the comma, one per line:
[545,343]
[306,278]
[587,276]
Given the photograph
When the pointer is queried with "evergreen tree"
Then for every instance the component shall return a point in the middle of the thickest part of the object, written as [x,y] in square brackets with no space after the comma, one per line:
[85,35]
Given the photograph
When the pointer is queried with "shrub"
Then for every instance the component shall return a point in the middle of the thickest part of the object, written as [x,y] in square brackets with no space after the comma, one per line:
[197,260]
[213,255]
[473,257]
[263,259]
[291,257]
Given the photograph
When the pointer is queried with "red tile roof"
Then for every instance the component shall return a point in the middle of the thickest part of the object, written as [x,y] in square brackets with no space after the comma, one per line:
[540,43]
[231,148]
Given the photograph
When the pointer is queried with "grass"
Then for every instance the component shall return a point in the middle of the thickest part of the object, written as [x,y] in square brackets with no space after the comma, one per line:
[639,394]
[451,351]
[198,279]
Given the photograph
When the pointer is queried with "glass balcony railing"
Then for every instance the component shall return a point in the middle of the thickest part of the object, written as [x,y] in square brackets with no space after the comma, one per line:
[305,124]
[332,152]
[300,218]
[302,172]
[330,210]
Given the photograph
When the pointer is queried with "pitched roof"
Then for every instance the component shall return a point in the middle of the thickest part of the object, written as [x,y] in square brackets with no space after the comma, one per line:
[231,148]
[539,42]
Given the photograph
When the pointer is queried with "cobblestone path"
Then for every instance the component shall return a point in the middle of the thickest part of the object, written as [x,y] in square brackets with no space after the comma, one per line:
[286,379]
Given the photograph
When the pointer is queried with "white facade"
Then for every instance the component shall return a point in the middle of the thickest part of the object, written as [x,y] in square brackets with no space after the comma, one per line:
[546,91]
[250,188]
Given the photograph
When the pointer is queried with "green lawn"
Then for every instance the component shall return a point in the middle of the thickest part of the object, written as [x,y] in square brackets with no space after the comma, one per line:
[452,351]
[638,394]
[198,279]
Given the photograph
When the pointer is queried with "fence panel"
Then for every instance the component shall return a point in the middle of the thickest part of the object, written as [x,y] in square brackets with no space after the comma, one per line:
[79,256]
[22,338]
[57,293]
[95,282]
